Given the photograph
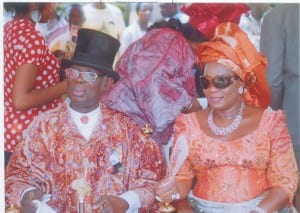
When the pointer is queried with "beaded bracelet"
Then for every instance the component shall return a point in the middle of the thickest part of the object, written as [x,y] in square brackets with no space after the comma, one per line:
[258,209]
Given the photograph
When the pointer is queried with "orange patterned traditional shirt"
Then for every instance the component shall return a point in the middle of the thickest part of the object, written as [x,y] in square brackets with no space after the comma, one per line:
[239,170]
[53,153]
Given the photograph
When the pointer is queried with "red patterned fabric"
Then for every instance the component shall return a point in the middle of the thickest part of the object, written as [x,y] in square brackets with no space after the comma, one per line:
[206,16]
[24,45]
[54,153]
[156,81]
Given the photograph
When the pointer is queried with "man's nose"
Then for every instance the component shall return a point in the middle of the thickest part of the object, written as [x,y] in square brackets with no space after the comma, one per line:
[80,78]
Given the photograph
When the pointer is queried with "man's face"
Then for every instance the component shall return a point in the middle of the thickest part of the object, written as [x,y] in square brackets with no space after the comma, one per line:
[167,10]
[85,86]
[76,17]
[145,12]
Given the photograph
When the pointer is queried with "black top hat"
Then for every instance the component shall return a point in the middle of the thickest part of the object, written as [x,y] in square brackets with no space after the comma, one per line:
[97,50]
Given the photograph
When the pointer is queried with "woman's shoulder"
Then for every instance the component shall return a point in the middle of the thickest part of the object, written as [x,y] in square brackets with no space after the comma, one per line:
[193,119]
[267,117]
[274,116]
[26,32]
[187,116]
[271,114]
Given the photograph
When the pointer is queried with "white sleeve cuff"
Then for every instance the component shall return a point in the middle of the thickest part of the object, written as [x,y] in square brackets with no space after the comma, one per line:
[133,201]
[27,190]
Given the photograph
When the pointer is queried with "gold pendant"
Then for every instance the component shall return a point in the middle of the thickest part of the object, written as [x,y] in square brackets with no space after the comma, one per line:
[166,207]
[147,129]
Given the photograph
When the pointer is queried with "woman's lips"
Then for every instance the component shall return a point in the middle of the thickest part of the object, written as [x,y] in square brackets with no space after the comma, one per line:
[214,99]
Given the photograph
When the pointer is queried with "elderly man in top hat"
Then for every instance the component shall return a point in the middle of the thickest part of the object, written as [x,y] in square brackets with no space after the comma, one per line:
[85,155]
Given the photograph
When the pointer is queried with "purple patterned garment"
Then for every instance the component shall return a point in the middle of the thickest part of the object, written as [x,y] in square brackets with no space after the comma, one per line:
[156,81]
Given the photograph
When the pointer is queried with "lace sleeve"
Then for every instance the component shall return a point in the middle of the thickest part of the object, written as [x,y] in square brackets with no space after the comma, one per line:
[282,169]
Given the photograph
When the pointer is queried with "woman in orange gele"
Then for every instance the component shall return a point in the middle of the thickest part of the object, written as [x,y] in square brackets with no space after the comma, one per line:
[238,150]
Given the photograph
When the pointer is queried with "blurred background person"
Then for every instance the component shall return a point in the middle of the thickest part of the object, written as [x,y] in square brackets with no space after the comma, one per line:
[64,45]
[104,17]
[206,16]
[31,71]
[280,44]
[54,27]
[7,16]
[251,21]
[172,10]
[138,28]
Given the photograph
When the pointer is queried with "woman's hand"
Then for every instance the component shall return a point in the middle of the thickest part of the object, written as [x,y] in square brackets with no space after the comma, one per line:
[113,204]
[276,199]
[26,203]
[166,190]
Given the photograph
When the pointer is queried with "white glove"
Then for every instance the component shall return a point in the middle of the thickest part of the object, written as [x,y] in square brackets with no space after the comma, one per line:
[42,206]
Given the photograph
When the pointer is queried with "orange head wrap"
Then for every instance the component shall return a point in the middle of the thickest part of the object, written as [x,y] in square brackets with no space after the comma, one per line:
[231,47]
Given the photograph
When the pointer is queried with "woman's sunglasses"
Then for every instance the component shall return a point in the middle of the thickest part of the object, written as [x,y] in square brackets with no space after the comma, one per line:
[219,82]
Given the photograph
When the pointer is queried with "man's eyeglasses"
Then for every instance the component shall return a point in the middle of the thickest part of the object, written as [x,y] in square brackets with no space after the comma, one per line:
[219,82]
[72,74]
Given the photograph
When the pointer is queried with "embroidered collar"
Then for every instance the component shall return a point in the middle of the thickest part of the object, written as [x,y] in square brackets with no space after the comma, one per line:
[93,118]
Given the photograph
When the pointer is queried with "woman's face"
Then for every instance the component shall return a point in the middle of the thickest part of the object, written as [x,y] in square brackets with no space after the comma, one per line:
[76,17]
[145,12]
[227,95]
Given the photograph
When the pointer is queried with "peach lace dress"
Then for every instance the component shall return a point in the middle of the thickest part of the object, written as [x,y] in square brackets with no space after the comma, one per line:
[240,170]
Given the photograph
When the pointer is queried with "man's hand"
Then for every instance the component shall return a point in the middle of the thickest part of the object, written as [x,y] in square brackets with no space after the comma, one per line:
[113,204]
[165,190]
[27,206]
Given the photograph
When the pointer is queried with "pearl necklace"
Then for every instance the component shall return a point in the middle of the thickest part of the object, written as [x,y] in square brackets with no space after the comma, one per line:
[225,130]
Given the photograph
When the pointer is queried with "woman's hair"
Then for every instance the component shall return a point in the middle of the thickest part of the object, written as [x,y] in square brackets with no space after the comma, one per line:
[21,8]
[189,32]
[18,8]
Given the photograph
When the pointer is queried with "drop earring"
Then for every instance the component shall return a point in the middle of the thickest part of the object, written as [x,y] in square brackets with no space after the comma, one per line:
[35,16]
[241,90]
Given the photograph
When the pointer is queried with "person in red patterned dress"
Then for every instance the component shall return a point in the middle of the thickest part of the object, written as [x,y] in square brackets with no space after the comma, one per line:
[83,153]
[31,72]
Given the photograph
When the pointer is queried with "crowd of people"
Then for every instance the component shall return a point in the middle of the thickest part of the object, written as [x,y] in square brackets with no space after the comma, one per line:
[193,107]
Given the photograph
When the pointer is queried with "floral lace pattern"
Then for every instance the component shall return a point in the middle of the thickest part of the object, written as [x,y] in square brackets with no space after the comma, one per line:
[239,170]
[53,153]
